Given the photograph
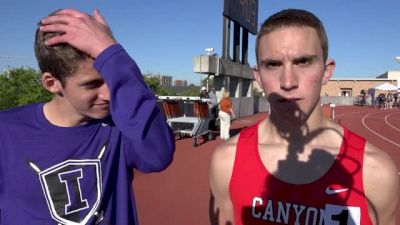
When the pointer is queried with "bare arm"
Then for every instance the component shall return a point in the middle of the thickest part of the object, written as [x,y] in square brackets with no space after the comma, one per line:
[221,209]
[231,109]
[232,113]
[381,184]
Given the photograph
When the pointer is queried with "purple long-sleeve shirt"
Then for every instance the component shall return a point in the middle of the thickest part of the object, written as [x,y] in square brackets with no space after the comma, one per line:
[82,175]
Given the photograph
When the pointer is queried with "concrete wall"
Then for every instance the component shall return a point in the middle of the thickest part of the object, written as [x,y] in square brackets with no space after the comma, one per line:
[243,106]
[260,104]
[337,100]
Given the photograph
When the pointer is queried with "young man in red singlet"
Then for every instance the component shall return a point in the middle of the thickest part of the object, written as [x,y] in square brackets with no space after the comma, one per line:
[295,166]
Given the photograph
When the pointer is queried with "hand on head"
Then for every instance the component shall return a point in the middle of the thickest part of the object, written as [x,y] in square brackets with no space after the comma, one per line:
[90,34]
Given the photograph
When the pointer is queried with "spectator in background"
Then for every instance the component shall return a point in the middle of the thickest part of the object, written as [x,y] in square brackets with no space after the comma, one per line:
[389,100]
[368,100]
[225,115]
[213,99]
[382,100]
[363,95]
[203,92]
[212,108]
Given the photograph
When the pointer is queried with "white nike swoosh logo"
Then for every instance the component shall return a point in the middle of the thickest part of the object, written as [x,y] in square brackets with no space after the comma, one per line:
[330,191]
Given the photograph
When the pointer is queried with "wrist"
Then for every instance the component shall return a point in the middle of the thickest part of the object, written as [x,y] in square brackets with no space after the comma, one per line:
[101,48]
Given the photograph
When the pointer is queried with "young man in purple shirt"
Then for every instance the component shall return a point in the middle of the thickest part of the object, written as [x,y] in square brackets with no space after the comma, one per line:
[70,160]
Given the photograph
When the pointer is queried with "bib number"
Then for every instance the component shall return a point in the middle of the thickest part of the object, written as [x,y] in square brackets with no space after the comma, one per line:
[342,215]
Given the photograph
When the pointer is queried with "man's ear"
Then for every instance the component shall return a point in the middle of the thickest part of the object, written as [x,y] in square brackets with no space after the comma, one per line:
[256,75]
[51,83]
[329,68]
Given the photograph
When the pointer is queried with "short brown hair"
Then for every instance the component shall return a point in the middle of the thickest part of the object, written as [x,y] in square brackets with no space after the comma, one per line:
[61,60]
[294,18]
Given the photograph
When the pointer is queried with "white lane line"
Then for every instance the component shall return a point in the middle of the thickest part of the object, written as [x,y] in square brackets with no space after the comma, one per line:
[377,134]
[387,122]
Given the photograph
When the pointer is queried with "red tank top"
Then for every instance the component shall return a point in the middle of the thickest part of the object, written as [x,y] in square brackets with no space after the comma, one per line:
[337,198]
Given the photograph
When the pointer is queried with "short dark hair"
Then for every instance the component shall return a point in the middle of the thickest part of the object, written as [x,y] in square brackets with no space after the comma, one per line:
[294,18]
[61,60]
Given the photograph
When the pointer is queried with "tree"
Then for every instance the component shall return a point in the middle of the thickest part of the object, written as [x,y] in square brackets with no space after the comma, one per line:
[153,82]
[257,92]
[21,86]
[207,79]
[191,90]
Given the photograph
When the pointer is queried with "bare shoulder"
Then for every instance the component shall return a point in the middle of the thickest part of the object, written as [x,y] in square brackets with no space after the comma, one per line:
[220,173]
[377,161]
[381,183]
[224,147]
[223,158]
[221,167]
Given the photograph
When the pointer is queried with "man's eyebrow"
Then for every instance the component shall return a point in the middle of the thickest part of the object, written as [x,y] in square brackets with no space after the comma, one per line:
[90,81]
[267,61]
[270,61]
[304,57]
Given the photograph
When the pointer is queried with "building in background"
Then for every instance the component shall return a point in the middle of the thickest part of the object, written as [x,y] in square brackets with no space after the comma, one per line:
[163,80]
[166,81]
[391,74]
[352,86]
[180,83]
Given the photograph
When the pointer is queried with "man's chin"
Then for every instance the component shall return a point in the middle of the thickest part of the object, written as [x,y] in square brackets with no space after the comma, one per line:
[295,118]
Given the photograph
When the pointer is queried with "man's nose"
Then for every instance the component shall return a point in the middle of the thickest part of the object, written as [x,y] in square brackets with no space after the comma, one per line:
[289,78]
[104,92]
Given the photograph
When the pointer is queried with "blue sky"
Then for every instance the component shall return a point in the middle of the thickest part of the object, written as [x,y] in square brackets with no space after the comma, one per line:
[163,36]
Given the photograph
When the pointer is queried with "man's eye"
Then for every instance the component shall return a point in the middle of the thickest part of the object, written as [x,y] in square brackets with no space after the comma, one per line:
[272,65]
[93,84]
[302,61]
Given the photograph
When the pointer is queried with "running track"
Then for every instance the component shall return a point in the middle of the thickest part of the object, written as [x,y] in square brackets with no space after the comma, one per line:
[180,194]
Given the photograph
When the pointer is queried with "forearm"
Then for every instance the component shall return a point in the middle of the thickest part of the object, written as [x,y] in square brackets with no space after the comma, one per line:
[135,112]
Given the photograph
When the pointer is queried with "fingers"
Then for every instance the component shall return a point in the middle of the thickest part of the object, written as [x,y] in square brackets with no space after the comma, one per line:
[68,16]
[55,40]
[61,22]
[64,16]
[90,34]
[71,12]
[99,18]
[55,19]
[58,28]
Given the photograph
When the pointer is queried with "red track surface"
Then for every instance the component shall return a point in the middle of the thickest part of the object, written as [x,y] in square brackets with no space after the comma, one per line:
[180,194]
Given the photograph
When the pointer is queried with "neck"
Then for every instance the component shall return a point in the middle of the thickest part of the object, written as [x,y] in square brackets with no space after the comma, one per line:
[59,113]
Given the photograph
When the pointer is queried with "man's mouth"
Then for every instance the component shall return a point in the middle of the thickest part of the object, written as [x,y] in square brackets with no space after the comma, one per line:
[102,105]
[288,100]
